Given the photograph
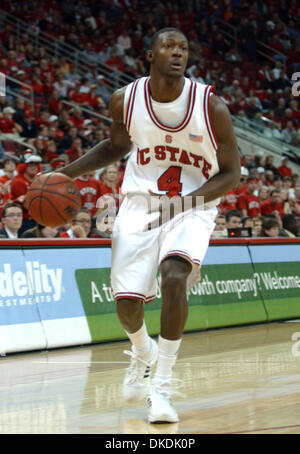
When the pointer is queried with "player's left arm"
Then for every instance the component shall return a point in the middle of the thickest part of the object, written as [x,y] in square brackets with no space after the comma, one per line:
[227,154]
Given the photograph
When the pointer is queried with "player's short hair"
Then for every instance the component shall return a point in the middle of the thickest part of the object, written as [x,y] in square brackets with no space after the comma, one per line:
[157,34]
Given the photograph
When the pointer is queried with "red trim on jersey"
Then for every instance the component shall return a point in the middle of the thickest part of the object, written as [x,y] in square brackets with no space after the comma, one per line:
[130,105]
[189,111]
[207,117]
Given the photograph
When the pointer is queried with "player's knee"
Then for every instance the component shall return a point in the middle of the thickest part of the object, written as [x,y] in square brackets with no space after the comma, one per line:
[174,274]
[129,311]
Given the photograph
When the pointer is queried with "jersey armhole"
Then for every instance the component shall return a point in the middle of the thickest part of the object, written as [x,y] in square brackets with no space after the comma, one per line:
[210,91]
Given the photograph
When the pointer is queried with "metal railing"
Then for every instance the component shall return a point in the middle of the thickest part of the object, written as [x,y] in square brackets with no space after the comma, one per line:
[17,139]
[87,111]
[11,92]
[262,49]
[253,131]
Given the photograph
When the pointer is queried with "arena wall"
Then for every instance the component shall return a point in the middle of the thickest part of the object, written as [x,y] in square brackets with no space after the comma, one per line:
[56,293]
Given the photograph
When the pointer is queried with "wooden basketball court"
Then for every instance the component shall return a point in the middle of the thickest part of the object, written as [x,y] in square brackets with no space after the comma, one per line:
[237,380]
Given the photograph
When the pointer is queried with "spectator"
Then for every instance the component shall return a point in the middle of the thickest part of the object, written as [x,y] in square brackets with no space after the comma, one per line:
[40,231]
[295,203]
[102,89]
[76,119]
[115,63]
[295,180]
[9,170]
[7,124]
[291,225]
[233,220]
[27,171]
[220,230]
[50,151]
[249,162]
[269,178]
[247,222]
[263,194]
[270,165]
[76,150]
[270,228]
[248,203]
[90,191]
[228,201]
[62,85]
[67,140]
[290,134]
[287,185]
[273,131]
[273,206]
[257,226]
[124,40]
[220,223]
[109,183]
[252,110]
[80,227]
[12,217]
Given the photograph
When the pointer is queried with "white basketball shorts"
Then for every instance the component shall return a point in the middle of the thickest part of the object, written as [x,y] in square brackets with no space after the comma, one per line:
[137,253]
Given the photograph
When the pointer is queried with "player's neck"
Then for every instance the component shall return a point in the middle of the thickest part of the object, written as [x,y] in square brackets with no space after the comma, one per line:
[165,89]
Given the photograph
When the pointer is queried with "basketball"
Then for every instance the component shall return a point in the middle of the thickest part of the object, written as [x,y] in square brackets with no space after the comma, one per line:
[53,199]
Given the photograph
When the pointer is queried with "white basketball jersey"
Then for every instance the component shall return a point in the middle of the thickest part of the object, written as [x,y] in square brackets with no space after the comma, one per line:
[169,160]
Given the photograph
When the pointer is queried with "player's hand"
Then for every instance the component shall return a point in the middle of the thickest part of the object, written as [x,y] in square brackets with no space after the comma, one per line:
[165,207]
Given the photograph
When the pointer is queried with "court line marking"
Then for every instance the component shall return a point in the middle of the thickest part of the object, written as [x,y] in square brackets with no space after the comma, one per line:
[80,362]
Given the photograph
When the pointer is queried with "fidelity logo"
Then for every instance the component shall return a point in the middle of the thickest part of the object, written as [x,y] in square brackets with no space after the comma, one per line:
[37,284]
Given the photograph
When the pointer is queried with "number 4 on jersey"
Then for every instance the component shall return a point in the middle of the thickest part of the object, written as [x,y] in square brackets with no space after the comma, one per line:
[170,181]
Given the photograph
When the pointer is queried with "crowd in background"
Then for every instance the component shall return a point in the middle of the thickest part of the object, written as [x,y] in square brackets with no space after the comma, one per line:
[266,201]
[117,33]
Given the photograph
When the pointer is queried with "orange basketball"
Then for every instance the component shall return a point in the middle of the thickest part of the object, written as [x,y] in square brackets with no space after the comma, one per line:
[53,199]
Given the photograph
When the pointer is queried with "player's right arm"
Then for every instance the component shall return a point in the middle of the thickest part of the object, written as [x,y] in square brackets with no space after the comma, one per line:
[109,150]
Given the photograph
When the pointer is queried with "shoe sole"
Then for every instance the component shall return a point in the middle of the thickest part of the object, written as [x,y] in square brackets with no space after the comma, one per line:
[162,420]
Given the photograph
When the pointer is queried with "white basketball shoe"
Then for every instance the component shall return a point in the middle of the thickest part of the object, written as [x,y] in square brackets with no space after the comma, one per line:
[160,407]
[136,384]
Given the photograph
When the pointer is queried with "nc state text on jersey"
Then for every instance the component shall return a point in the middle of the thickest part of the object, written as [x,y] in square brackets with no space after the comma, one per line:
[173,154]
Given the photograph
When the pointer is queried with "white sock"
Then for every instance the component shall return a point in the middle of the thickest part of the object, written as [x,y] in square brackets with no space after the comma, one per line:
[140,339]
[167,356]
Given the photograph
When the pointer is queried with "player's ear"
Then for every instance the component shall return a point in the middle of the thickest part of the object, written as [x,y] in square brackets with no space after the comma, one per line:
[149,56]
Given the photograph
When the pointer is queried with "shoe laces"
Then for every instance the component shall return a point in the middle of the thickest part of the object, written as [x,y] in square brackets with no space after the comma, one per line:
[136,367]
[168,388]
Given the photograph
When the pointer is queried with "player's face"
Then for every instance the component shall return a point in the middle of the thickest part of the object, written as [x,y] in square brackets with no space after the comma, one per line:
[170,54]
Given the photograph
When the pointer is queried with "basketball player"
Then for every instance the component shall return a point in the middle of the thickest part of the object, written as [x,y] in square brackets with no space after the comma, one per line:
[182,144]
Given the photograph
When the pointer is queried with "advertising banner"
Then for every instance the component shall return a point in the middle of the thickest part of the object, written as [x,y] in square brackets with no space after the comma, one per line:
[277,269]
[59,296]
